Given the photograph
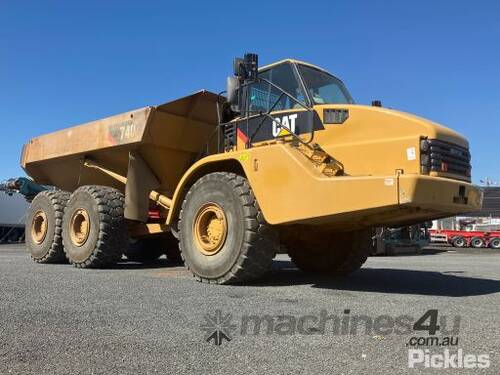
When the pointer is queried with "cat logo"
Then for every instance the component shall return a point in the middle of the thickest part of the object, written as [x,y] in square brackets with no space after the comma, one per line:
[282,126]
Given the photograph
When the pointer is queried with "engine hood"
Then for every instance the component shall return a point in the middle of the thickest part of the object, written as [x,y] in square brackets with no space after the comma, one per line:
[432,129]
[372,140]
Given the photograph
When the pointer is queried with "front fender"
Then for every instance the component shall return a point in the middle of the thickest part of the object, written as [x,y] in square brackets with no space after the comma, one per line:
[227,162]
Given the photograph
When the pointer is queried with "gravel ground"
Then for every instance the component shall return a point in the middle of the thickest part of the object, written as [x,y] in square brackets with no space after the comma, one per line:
[145,319]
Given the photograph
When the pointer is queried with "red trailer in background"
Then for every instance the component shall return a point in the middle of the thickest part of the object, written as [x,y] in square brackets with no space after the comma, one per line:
[464,238]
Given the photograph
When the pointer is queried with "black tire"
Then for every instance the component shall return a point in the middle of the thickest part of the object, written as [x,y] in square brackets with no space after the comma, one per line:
[336,254]
[477,242]
[451,239]
[250,243]
[107,233]
[144,250]
[150,249]
[495,243]
[459,241]
[173,252]
[49,204]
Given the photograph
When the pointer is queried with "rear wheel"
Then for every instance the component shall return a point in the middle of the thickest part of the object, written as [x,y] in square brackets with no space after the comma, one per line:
[44,226]
[459,241]
[477,242]
[94,231]
[495,243]
[331,253]
[223,235]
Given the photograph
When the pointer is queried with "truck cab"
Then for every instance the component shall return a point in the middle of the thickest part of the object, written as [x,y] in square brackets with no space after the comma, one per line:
[297,105]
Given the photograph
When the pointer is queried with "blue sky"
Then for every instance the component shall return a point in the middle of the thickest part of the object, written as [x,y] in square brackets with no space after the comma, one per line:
[64,63]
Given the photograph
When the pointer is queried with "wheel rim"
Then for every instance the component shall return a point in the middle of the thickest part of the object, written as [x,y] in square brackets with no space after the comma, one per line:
[495,244]
[210,229]
[79,227]
[39,227]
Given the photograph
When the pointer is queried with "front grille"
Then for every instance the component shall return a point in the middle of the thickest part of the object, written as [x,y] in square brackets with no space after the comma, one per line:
[449,158]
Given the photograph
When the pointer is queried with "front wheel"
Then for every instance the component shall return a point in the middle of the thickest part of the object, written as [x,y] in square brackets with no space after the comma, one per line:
[222,232]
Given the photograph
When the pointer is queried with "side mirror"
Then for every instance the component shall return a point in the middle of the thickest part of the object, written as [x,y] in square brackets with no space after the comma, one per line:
[232,88]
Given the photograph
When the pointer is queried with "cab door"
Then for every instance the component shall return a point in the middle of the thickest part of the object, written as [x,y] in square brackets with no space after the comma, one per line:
[285,114]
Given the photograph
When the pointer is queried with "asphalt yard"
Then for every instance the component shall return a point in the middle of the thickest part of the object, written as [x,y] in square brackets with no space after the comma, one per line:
[154,318]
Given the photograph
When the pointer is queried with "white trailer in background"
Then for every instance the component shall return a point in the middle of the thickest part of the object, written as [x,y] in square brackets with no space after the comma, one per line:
[12,213]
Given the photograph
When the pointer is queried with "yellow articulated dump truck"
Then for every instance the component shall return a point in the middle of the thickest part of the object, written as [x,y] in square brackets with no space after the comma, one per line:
[284,158]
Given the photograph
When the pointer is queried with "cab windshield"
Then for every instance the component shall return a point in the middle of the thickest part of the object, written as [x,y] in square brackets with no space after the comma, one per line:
[324,88]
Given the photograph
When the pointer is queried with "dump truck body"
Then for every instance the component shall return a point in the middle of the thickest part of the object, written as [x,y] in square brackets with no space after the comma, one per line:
[289,149]
[168,136]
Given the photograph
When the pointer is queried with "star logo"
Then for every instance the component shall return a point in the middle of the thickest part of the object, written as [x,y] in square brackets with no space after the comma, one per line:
[218,327]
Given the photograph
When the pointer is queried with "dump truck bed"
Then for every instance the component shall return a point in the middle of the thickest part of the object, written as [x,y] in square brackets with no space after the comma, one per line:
[169,137]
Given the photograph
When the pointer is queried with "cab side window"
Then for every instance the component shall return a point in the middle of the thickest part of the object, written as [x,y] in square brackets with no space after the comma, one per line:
[263,96]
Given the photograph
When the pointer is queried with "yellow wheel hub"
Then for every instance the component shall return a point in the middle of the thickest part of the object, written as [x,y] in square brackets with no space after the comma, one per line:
[39,227]
[210,229]
[79,227]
